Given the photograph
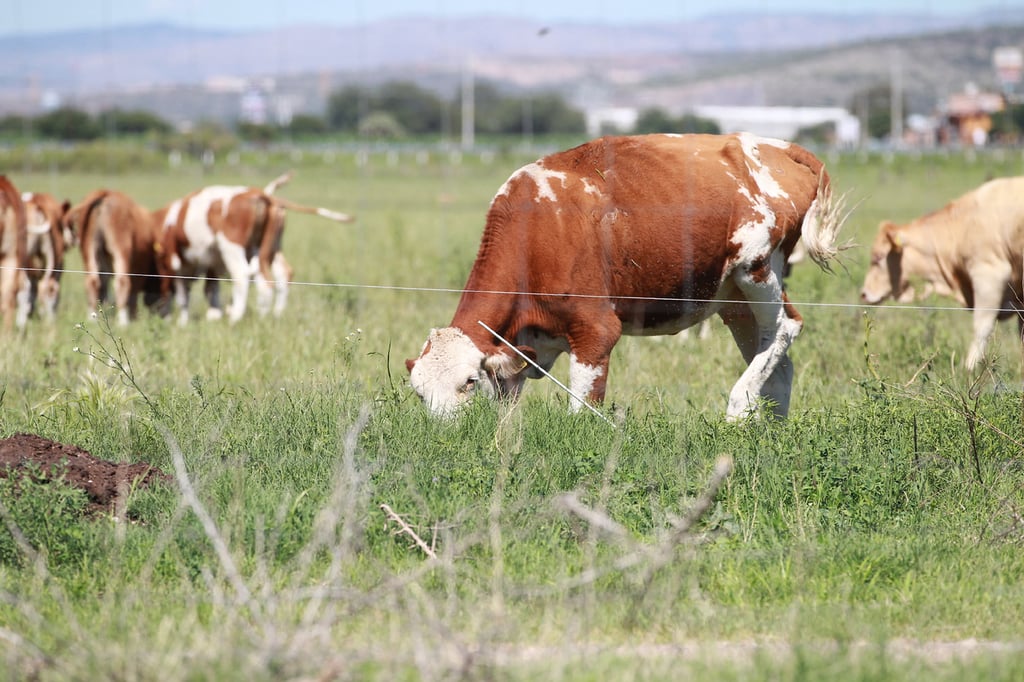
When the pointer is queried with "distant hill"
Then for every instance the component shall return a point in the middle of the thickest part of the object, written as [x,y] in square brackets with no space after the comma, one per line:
[724,59]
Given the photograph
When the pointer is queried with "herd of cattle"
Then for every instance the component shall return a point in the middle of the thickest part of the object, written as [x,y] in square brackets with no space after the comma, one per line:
[636,235]
[216,232]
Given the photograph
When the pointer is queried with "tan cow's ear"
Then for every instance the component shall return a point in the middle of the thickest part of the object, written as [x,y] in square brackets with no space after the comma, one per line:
[891,231]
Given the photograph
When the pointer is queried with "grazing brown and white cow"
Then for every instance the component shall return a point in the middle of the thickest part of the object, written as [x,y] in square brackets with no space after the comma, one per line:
[118,239]
[46,243]
[232,230]
[13,285]
[971,249]
[638,235]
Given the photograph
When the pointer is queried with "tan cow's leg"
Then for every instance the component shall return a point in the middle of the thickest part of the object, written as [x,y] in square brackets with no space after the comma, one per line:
[8,290]
[988,298]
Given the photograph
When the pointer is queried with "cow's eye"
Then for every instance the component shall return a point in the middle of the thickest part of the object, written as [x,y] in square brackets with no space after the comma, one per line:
[469,386]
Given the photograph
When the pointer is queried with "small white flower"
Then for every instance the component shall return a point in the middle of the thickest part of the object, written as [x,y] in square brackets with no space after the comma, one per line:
[75,349]
[93,315]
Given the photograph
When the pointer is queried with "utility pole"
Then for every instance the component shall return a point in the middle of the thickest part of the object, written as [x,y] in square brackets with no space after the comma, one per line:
[468,106]
[896,99]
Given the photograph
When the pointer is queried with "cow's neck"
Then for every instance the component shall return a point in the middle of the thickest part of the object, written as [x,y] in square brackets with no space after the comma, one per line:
[490,294]
[924,254]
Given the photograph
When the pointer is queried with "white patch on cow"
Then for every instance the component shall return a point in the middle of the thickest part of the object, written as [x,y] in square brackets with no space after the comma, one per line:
[590,188]
[581,381]
[200,249]
[450,372]
[762,175]
[754,236]
[541,176]
[27,196]
[171,217]
[672,134]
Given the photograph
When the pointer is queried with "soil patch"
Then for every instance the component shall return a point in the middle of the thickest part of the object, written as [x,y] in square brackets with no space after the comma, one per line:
[101,480]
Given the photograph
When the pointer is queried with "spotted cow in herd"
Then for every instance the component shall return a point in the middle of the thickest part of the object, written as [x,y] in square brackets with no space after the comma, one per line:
[47,240]
[639,235]
[118,239]
[971,249]
[12,252]
[232,231]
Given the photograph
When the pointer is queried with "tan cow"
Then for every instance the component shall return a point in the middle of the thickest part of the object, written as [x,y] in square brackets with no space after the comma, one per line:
[46,244]
[971,249]
[234,231]
[13,289]
[638,235]
[118,239]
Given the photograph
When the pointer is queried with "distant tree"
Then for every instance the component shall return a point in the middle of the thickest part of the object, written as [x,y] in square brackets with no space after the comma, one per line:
[67,123]
[307,125]
[417,110]
[655,120]
[552,114]
[1008,125]
[691,123]
[873,106]
[13,125]
[381,124]
[258,133]
[345,107]
[134,122]
[489,105]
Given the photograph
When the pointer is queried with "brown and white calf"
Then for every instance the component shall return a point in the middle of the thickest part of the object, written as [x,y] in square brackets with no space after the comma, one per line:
[234,231]
[46,244]
[13,284]
[118,240]
[639,235]
[971,249]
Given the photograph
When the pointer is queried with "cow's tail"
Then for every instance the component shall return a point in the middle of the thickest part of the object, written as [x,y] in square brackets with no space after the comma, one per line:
[822,222]
[274,184]
[322,212]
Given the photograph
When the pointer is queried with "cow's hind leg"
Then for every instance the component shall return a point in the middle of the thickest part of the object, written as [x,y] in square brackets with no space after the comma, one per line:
[237,265]
[764,337]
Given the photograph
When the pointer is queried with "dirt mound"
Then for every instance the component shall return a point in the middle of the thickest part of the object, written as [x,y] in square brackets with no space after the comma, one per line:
[101,480]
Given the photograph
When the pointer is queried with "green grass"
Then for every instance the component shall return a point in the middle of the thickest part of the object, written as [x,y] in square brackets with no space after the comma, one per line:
[874,535]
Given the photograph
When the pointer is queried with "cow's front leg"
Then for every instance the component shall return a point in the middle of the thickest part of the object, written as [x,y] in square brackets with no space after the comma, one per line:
[988,299]
[589,353]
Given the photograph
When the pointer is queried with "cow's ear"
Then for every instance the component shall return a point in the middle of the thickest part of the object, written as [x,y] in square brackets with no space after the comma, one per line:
[504,366]
[65,207]
[892,233]
[409,364]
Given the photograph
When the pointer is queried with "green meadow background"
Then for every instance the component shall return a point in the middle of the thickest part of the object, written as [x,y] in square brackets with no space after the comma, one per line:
[875,534]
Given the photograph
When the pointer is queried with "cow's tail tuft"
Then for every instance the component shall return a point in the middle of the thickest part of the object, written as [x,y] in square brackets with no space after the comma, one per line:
[274,184]
[822,223]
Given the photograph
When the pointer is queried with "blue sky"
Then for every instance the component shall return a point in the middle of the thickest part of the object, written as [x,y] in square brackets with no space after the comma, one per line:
[25,17]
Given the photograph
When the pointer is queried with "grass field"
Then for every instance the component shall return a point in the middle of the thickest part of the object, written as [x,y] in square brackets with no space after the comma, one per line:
[876,534]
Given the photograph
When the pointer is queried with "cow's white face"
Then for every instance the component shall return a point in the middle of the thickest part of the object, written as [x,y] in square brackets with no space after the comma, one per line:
[451,369]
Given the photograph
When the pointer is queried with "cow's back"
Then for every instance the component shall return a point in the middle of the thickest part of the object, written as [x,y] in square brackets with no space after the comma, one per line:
[643,217]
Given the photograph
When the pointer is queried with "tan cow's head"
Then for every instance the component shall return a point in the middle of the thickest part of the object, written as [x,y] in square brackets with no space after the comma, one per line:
[886,276]
[451,369]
